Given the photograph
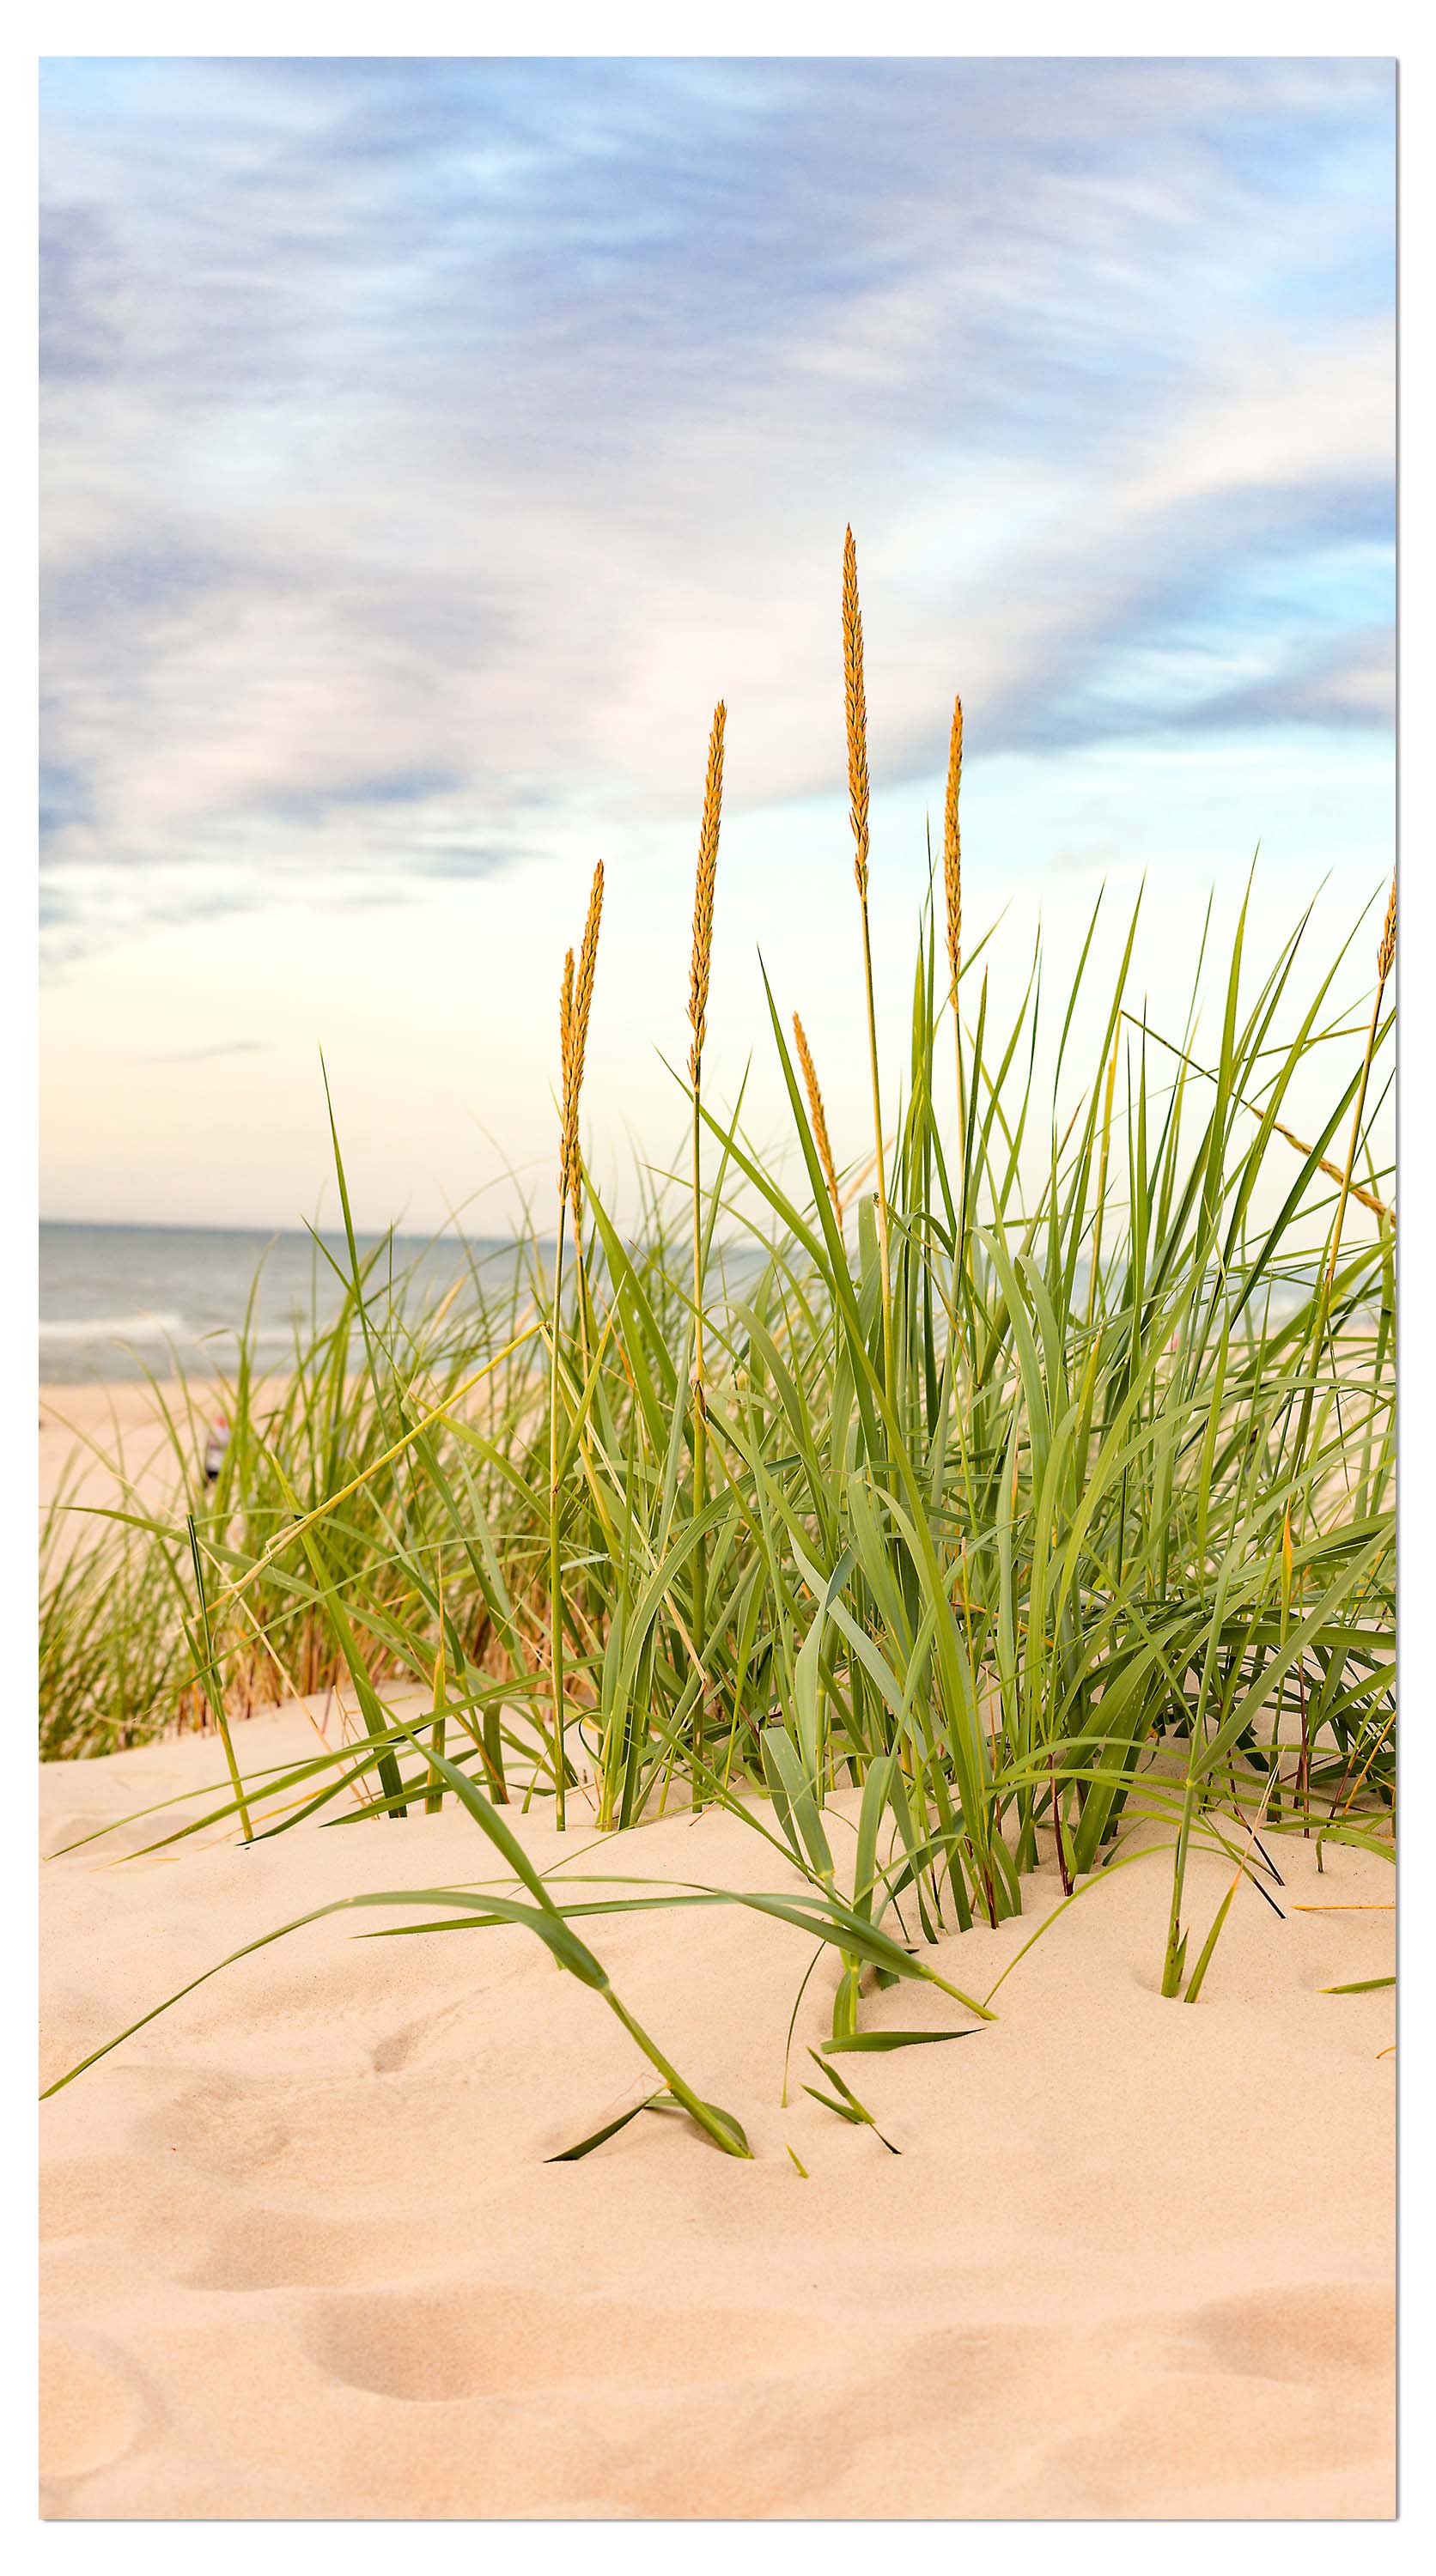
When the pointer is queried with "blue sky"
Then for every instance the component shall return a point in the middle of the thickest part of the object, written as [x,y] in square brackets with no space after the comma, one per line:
[427,444]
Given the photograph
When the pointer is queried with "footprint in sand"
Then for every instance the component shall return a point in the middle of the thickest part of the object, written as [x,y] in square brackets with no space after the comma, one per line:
[88,2416]
[479,2341]
[275,2249]
[1248,2401]
[400,2047]
[1324,2336]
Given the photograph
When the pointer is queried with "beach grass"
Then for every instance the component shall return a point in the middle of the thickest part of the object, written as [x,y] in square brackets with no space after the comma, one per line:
[1032,1475]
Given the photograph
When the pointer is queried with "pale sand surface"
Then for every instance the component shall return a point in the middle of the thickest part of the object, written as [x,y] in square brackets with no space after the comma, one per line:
[304,2257]
[94,1439]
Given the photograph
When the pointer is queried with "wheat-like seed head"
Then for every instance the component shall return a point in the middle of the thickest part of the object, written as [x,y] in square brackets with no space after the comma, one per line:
[857,711]
[1386,953]
[815,1112]
[568,1126]
[574,1011]
[587,960]
[952,849]
[703,894]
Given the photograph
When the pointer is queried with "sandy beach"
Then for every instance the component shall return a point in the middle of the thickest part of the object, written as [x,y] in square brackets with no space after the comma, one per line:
[98,1438]
[304,2255]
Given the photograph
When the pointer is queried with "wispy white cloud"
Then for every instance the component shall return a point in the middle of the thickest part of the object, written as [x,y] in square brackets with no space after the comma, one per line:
[428,444]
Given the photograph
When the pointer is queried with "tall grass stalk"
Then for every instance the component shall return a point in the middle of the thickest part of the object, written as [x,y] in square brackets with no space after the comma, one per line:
[855,694]
[699,979]
[952,891]
[575,1003]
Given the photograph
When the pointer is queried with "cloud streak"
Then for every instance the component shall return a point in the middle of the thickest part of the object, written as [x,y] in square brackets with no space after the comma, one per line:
[206,1054]
[428,444]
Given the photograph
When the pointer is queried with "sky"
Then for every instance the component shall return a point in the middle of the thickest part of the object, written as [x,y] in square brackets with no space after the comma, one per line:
[427,444]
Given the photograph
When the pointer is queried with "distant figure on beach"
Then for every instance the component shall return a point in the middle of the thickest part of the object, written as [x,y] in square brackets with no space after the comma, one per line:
[215,1447]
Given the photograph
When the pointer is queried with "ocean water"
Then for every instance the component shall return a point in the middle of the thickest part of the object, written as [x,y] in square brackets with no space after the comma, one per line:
[117,1300]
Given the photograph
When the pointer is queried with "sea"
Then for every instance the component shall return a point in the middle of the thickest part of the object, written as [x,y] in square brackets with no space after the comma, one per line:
[126,1301]
[123,1301]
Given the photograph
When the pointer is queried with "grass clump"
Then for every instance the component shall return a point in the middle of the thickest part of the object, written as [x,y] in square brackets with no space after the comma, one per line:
[1047,1507]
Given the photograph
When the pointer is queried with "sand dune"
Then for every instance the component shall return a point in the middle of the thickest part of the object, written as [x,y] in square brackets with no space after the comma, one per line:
[304,2257]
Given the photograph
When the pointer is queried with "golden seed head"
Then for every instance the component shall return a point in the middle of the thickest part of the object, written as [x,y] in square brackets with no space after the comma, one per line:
[952,848]
[565,1038]
[587,960]
[574,1008]
[703,894]
[815,1112]
[1386,953]
[857,713]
